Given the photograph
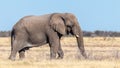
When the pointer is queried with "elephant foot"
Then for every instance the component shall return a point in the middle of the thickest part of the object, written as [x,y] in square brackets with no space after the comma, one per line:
[59,57]
[60,54]
[21,56]
[11,58]
[52,58]
[85,56]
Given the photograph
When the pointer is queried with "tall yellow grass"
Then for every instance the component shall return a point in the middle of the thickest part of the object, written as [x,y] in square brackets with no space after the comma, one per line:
[102,54]
[60,64]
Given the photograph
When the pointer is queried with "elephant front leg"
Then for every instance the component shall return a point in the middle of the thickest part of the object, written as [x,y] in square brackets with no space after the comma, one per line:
[60,52]
[52,53]
[54,45]
[53,50]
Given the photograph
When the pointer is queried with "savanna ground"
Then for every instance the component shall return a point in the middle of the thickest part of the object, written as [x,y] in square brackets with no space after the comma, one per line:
[102,53]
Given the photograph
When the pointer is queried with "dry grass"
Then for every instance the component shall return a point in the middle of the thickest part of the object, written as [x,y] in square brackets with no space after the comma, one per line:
[5,41]
[102,54]
[60,64]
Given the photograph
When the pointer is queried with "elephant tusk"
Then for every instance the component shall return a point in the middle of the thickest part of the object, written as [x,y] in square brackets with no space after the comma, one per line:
[77,35]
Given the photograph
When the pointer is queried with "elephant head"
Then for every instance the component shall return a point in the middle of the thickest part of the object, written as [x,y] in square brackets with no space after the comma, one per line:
[65,23]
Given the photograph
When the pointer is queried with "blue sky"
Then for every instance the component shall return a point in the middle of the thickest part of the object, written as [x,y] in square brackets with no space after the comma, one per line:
[92,14]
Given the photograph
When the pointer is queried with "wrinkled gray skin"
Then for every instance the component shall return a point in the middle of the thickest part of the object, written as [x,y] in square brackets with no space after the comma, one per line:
[33,31]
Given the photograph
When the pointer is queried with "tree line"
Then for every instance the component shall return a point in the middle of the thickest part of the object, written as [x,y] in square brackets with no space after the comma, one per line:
[85,33]
[101,33]
[5,33]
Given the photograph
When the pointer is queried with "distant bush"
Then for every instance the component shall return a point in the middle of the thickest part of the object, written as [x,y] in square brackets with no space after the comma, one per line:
[101,33]
[5,33]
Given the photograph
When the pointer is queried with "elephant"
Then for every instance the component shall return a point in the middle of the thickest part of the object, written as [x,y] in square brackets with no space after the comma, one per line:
[33,31]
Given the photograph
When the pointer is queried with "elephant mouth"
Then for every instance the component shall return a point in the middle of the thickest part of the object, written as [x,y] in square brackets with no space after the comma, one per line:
[70,32]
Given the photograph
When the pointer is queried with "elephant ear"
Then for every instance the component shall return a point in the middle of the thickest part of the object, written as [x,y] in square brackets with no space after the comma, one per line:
[57,23]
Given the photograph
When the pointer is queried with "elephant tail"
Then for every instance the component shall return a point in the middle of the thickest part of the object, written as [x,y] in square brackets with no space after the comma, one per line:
[12,37]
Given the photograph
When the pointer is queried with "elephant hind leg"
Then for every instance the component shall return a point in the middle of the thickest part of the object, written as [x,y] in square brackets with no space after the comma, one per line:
[13,55]
[17,46]
[22,53]
[14,50]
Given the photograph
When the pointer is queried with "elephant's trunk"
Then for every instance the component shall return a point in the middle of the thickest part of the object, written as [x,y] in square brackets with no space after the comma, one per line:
[79,36]
[81,45]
